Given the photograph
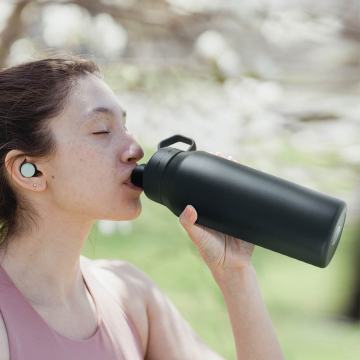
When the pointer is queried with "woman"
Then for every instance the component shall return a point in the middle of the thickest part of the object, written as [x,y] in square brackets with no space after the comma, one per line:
[65,158]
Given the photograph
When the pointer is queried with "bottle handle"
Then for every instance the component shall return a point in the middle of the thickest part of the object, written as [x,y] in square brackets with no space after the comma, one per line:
[177,138]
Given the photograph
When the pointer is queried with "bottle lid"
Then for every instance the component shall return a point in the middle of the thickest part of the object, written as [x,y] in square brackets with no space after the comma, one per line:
[149,176]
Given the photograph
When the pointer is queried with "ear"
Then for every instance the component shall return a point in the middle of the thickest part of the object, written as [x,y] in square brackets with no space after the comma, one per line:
[13,161]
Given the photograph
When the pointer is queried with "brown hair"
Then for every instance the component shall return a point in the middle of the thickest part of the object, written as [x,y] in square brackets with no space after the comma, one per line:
[31,93]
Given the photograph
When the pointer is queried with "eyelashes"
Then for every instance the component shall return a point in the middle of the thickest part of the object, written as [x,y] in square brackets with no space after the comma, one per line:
[102,132]
[106,132]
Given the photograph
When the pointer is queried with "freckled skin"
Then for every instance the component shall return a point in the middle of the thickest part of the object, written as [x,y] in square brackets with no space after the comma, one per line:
[91,168]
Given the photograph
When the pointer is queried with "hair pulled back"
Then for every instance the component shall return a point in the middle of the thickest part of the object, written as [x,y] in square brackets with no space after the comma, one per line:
[31,94]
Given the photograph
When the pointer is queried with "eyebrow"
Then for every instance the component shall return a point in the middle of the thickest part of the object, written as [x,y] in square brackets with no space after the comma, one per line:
[102,110]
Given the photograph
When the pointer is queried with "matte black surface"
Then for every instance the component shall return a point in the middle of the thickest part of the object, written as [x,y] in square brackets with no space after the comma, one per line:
[137,175]
[245,203]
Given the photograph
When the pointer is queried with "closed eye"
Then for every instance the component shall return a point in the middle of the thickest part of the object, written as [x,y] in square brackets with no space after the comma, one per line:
[102,132]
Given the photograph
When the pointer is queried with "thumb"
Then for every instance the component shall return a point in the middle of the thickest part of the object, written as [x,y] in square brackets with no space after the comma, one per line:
[188,216]
[187,219]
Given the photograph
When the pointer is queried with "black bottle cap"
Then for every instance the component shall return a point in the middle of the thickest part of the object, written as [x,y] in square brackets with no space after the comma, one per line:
[137,175]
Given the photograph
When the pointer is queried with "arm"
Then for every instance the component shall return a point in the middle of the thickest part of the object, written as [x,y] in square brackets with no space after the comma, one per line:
[228,258]
[254,335]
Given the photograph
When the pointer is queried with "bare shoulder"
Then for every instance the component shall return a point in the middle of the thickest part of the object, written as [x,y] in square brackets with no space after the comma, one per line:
[129,286]
[129,275]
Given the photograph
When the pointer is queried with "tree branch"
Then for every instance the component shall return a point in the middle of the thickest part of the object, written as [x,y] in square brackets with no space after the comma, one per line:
[163,16]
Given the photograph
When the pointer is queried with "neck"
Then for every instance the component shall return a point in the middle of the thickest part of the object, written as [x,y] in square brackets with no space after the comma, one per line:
[46,266]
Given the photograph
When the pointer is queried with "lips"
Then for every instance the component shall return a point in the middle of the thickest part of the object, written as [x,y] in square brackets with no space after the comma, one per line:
[129,184]
[133,187]
[128,179]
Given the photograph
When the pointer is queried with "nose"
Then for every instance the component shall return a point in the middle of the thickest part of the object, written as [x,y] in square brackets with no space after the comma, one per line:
[133,154]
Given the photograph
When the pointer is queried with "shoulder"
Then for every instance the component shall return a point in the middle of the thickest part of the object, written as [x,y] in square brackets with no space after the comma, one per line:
[126,275]
[129,286]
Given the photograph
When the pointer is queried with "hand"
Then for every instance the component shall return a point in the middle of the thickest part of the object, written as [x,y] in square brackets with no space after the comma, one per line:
[220,251]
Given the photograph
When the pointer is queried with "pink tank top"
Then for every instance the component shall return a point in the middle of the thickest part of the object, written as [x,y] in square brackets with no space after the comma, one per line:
[30,337]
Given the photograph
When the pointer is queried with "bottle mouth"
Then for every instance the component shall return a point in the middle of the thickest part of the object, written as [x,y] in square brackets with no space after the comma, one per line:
[136,177]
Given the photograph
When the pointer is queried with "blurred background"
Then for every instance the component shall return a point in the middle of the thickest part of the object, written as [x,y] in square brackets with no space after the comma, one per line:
[275,84]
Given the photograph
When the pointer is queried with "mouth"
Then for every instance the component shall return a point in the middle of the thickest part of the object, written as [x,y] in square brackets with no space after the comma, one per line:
[132,186]
[129,184]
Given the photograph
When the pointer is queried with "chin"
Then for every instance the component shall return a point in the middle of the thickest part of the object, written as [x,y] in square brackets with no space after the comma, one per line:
[136,214]
[133,212]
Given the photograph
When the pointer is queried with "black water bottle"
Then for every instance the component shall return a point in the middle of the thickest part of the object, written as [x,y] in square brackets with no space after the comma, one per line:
[243,202]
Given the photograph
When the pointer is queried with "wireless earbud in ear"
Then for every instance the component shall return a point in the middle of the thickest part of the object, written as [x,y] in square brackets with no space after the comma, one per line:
[28,169]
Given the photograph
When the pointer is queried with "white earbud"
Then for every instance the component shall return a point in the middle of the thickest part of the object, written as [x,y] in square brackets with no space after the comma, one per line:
[27,169]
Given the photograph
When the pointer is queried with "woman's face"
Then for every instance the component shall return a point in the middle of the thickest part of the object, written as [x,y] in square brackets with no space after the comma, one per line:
[87,174]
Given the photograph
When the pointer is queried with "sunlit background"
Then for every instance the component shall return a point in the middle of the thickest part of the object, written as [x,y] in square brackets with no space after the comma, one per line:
[276,85]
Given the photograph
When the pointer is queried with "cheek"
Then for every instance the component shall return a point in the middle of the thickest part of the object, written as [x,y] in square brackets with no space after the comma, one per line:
[93,169]
[90,184]
[82,173]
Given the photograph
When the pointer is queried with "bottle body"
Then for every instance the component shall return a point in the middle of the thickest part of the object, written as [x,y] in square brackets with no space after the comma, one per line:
[248,204]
